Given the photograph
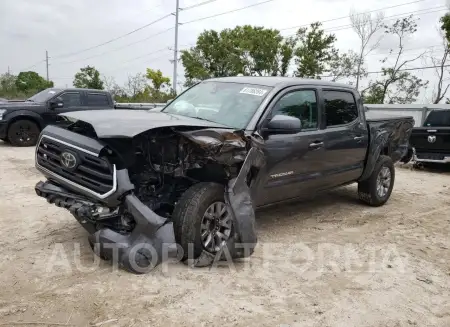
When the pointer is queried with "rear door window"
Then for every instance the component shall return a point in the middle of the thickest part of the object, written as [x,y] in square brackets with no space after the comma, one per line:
[97,100]
[340,108]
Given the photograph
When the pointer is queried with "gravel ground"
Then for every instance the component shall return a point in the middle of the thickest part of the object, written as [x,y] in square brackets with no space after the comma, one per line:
[324,262]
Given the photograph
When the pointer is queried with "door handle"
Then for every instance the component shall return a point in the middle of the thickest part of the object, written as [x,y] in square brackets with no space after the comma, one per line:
[316,145]
[357,138]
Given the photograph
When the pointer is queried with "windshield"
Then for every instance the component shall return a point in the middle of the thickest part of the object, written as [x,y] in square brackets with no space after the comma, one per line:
[438,118]
[230,104]
[43,96]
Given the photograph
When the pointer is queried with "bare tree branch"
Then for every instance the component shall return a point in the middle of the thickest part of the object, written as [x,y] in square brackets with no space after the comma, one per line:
[440,63]
[366,27]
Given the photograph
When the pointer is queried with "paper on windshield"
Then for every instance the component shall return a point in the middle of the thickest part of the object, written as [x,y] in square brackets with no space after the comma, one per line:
[253,91]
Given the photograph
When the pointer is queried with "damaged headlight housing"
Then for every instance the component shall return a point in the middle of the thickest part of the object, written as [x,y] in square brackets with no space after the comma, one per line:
[2,112]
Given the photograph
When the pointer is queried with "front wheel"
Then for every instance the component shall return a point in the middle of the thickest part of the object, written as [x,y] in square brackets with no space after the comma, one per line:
[23,133]
[377,189]
[202,220]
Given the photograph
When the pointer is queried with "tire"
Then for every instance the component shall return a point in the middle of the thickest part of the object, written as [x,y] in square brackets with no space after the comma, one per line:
[23,133]
[189,213]
[368,191]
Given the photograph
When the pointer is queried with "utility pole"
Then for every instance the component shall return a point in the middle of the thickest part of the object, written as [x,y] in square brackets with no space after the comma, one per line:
[46,62]
[9,72]
[175,50]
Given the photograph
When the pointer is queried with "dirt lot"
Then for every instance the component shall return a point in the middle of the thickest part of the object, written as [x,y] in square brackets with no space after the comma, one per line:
[327,262]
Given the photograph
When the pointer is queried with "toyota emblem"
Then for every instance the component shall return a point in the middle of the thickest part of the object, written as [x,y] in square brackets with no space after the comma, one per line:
[68,160]
[431,138]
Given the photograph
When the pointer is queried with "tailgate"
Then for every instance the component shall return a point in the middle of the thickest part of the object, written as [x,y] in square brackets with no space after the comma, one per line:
[429,139]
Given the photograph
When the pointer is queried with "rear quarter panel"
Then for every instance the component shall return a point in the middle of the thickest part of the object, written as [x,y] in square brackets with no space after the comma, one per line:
[387,137]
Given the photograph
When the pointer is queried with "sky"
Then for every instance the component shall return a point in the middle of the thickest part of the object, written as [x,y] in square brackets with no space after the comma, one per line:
[82,32]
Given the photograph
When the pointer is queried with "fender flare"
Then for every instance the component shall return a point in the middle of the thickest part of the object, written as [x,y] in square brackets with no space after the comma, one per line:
[25,114]
[378,143]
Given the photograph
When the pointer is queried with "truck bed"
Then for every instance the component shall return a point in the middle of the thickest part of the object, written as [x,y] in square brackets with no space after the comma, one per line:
[373,116]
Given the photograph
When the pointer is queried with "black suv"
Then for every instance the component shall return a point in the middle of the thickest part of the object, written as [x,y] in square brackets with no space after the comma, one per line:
[22,121]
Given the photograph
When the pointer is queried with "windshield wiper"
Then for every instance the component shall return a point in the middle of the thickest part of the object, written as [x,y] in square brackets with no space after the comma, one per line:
[205,119]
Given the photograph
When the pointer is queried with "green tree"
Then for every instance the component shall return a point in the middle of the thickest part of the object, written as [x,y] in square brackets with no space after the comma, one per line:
[158,80]
[31,82]
[8,83]
[396,85]
[88,78]
[445,21]
[159,90]
[316,51]
[247,50]
[214,55]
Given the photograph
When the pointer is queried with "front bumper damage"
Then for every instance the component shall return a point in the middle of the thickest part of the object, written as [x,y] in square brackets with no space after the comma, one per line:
[151,241]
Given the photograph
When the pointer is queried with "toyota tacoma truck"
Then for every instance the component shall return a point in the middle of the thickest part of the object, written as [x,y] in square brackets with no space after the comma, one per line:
[192,175]
[431,142]
[22,121]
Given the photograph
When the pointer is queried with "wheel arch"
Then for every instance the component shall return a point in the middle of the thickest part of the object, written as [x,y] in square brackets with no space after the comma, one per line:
[379,146]
[26,115]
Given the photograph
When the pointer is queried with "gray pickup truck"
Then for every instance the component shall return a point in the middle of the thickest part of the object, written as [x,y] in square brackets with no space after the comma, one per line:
[194,172]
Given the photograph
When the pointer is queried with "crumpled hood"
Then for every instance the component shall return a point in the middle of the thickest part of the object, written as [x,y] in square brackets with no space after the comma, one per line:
[129,123]
[22,105]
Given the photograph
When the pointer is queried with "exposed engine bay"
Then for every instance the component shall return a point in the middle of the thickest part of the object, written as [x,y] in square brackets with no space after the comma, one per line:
[161,165]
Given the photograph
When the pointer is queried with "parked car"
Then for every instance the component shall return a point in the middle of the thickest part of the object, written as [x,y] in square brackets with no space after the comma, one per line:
[431,142]
[140,179]
[22,121]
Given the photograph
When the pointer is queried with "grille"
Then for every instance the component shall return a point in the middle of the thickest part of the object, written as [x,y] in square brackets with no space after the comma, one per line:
[91,172]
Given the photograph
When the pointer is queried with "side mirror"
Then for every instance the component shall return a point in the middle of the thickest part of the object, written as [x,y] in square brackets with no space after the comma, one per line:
[56,104]
[283,124]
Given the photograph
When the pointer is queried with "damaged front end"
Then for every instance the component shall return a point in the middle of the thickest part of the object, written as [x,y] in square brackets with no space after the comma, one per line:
[123,190]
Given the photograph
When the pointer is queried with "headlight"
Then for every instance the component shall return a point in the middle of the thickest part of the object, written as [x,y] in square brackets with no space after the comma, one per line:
[2,112]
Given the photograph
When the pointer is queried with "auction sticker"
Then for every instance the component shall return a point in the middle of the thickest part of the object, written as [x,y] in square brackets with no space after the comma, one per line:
[253,91]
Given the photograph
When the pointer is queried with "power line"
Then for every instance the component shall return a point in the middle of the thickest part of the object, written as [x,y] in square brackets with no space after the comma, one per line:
[345,17]
[148,54]
[141,40]
[349,26]
[230,11]
[417,13]
[401,70]
[118,48]
[404,50]
[198,5]
[114,39]
[128,61]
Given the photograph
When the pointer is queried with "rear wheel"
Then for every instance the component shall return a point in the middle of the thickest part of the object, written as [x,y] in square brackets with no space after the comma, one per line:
[202,220]
[377,189]
[23,133]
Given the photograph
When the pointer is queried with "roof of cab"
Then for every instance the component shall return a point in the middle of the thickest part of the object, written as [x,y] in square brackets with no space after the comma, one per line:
[277,81]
